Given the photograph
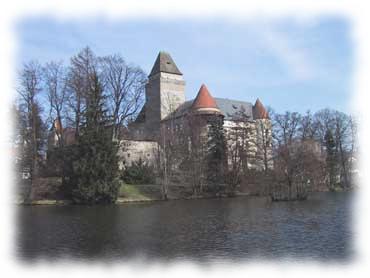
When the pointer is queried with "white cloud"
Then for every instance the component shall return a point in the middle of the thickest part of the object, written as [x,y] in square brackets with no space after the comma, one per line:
[296,60]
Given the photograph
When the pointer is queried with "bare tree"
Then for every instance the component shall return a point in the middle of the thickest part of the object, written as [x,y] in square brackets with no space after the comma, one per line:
[169,146]
[29,88]
[264,144]
[324,121]
[308,126]
[353,146]
[288,151]
[313,150]
[125,86]
[166,143]
[83,67]
[241,138]
[342,136]
[55,77]
[195,141]
[342,127]
[287,126]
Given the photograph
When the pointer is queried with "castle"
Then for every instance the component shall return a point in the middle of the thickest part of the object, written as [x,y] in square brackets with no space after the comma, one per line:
[166,108]
[167,116]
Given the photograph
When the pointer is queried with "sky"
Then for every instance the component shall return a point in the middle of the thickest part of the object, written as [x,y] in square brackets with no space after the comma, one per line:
[288,63]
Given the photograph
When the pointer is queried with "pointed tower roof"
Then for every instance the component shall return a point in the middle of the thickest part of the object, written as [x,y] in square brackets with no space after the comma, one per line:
[259,111]
[204,102]
[164,63]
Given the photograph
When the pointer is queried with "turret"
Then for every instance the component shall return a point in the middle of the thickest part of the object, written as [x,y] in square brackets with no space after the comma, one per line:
[259,111]
[204,103]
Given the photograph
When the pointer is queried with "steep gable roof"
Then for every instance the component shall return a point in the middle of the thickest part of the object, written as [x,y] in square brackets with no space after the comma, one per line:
[164,63]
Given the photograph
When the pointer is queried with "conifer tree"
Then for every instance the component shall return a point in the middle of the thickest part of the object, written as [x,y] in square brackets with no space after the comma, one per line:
[216,156]
[95,171]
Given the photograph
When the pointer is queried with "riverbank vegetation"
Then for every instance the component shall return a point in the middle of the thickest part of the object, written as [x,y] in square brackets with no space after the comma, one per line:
[88,106]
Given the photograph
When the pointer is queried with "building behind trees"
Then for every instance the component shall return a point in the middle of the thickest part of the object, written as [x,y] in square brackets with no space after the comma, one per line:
[206,146]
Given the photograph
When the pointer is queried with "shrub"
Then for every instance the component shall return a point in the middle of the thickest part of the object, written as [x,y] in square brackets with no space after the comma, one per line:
[139,172]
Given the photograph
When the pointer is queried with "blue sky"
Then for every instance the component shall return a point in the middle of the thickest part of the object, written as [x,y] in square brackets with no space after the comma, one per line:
[289,64]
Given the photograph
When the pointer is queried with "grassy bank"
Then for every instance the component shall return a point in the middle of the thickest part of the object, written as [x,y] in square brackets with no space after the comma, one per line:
[132,193]
[126,193]
[138,193]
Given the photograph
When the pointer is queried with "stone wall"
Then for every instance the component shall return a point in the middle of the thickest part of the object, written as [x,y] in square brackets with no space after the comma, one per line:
[172,93]
[131,151]
[165,92]
[139,132]
[152,105]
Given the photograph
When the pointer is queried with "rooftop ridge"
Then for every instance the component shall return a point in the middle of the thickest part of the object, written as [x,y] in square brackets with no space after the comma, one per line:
[233,100]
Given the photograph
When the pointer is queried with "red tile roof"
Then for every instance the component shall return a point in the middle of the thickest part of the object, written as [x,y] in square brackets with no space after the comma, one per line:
[204,99]
[259,111]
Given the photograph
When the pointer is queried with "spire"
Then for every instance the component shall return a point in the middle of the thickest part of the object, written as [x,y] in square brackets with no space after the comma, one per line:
[259,111]
[164,63]
[204,102]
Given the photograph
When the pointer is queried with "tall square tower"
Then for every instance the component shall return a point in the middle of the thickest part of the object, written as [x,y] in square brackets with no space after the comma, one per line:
[164,92]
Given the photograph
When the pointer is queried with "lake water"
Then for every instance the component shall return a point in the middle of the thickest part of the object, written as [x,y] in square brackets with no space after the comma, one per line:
[207,230]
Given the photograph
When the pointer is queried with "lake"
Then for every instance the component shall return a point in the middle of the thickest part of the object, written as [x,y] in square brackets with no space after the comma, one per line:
[203,230]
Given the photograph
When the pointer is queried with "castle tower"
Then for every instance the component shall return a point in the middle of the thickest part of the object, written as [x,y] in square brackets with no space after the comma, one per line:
[165,92]
[264,136]
[204,111]
[259,111]
[204,103]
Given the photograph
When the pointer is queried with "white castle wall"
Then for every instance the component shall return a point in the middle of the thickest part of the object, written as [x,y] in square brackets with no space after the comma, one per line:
[131,151]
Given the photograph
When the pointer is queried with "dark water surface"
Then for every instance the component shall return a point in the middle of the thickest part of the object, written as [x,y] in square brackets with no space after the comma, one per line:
[230,229]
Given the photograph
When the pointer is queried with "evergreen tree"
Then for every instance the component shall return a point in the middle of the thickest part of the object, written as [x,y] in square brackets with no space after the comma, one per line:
[139,172]
[331,158]
[216,153]
[95,171]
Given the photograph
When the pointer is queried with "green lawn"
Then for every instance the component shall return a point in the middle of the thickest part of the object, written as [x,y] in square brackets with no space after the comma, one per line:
[139,192]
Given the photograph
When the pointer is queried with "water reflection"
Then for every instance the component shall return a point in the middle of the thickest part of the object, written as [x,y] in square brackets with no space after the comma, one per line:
[206,230]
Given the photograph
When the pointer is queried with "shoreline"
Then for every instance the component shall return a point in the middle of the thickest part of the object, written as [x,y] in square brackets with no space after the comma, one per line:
[122,201]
